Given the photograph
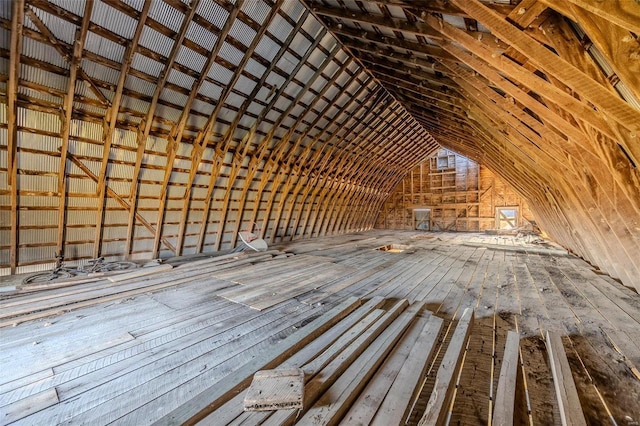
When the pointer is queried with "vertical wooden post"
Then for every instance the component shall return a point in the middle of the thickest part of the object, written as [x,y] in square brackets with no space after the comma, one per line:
[112,120]
[78,45]
[12,125]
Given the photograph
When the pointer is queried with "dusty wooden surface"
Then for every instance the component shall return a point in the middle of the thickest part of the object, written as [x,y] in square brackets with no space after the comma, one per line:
[136,357]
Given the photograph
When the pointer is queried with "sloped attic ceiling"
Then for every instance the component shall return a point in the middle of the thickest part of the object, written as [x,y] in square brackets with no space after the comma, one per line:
[543,92]
[163,127]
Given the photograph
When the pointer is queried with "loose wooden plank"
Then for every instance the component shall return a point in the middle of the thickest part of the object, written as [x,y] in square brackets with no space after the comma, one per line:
[142,272]
[505,395]
[337,399]
[232,409]
[207,401]
[280,388]
[369,400]
[25,407]
[566,392]
[326,377]
[396,406]
[438,405]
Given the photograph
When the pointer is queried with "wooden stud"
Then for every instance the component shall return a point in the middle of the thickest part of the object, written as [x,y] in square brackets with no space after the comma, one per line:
[17,19]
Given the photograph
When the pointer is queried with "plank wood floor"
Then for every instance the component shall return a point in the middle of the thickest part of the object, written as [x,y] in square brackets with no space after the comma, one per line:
[94,357]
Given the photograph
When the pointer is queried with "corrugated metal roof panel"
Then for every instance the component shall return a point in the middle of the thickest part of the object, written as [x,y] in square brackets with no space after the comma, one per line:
[234,100]
[231,54]
[211,90]
[312,26]
[166,15]
[267,48]
[87,130]
[202,107]
[191,59]
[146,65]
[152,39]
[176,98]
[287,63]
[73,6]
[280,28]
[196,121]
[220,74]
[139,85]
[213,12]
[254,68]
[294,9]
[169,113]
[5,9]
[100,72]
[257,10]
[114,20]
[245,85]
[35,49]
[103,47]
[134,104]
[38,120]
[178,78]
[201,36]
[81,186]
[242,32]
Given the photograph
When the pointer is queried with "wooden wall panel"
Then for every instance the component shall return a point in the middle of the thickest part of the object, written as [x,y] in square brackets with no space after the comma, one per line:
[461,194]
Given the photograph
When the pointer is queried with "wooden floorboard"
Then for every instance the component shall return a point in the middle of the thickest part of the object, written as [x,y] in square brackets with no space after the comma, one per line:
[134,358]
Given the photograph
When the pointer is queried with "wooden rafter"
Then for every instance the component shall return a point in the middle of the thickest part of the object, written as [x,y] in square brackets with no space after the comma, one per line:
[112,120]
[228,137]
[205,134]
[551,64]
[148,121]
[78,45]
[177,131]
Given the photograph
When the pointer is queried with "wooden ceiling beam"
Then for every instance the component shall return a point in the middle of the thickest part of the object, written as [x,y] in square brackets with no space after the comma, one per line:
[551,64]
[622,13]
[416,28]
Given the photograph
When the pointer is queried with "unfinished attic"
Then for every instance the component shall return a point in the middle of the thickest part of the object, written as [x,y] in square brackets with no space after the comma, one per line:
[320,212]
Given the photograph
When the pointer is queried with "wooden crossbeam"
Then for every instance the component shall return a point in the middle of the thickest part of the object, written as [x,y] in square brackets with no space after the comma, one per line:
[119,199]
[551,64]
[623,13]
